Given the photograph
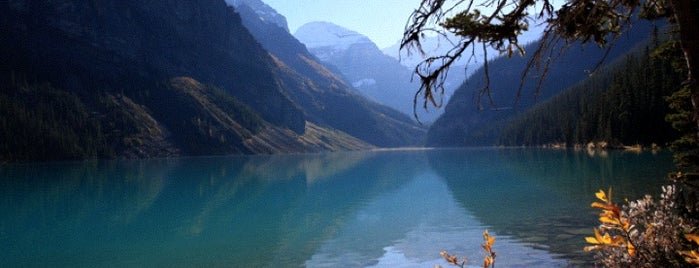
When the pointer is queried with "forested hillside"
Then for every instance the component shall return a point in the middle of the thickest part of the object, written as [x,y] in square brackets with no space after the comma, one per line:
[624,104]
[125,79]
[470,120]
[39,121]
[378,76]
[324,95]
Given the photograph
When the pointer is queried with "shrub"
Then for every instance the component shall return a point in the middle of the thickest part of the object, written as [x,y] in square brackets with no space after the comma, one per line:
[645,232]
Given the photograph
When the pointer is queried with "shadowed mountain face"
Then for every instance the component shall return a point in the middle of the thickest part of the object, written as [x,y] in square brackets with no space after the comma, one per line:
[326,96]
[160,78]
[263,11]
[376,75]
[465,124]
[83,45]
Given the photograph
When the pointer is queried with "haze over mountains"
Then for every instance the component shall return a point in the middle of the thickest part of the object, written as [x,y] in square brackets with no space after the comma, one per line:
[374,74]
[133,79]
[164,78]
[336,103]
[464,123]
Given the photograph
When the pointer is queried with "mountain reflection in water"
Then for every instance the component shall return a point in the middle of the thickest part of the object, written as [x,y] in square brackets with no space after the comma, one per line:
[355,209]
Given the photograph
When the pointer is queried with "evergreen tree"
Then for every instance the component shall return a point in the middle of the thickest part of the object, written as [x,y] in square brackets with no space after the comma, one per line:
[623,104]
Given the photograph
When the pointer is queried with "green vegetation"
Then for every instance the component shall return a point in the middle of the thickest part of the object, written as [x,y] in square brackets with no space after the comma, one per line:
[464,124]
[208,121]
[681,116]
[40,122]
[616,107]
[189,80]
[624,104]
[504,21]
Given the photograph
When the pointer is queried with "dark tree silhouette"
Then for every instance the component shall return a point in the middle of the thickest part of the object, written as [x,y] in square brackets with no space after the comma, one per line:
[499,23]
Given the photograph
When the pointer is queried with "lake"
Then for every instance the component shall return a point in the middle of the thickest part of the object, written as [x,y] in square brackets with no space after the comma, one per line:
[395,208]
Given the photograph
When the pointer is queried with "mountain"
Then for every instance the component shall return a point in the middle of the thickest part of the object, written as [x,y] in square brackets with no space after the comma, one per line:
[623,104]
[435,45]
[464,124]
[374,74]
[263,12]
[326,97]
[126,78]
[324,39]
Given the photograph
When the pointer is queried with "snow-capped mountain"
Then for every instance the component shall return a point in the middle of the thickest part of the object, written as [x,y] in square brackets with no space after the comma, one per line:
[440,45]
[265,12]
[323,93]
[325,39]
[433,46]
[374,74]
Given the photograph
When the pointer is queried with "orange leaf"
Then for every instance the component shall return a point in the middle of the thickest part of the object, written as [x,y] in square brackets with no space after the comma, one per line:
[603,206]
[488,261]
[631,249]
[601,195]
[609,220]
[592,240]
[602,239]
[692,257]
[619,241]
[489,241]
[692,237]
[450,259]
[611,214]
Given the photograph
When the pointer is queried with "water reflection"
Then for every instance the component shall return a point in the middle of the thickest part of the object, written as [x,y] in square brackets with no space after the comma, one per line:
[219,211]
[542,197]
[409,226]
[379,209]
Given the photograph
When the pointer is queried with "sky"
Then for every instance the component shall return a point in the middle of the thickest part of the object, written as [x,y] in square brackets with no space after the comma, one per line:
[382,21]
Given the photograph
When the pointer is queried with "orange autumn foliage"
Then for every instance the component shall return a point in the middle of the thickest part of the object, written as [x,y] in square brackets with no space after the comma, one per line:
[488,260]
[612,221]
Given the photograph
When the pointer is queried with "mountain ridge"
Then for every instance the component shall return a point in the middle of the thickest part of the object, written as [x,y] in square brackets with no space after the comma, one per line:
[370,71]
[463,124]
[150,79]
[327,97]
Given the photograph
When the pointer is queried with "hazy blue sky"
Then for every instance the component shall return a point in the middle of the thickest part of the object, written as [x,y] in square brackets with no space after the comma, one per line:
[381,20]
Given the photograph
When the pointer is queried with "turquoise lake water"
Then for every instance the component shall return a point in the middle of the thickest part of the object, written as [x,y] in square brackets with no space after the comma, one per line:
[350,209]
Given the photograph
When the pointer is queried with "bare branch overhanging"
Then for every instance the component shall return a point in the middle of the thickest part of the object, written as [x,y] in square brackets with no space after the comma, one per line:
[500,29]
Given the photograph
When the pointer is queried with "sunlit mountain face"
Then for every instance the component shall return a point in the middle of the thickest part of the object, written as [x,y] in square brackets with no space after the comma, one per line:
[131,79]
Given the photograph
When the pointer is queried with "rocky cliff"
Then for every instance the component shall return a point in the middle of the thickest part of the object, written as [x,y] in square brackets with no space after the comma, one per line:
[147,79]
[326,97]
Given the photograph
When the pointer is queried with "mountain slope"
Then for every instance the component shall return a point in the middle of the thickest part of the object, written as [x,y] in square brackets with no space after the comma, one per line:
[624,104]
[144,79]
[326,97]
[263,11]
[463,124]
[65,40]
[374,74]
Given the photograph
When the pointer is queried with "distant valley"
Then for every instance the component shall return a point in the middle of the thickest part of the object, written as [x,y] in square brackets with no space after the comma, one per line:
[374,74]
[472,121]
[133,79]
[124,79]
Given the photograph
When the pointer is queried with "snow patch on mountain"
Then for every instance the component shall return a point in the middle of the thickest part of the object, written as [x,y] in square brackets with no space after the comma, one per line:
[266,13]
[432,46]
[364,82]
[437,45]
[327,35]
